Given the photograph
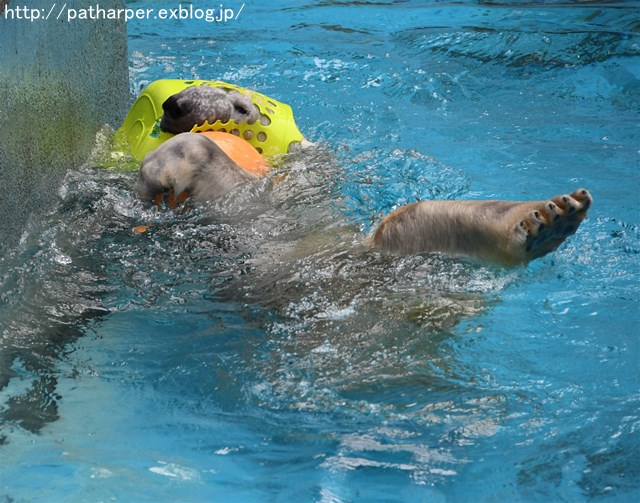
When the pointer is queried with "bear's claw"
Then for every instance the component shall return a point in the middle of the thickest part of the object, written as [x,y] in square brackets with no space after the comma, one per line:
[547,226]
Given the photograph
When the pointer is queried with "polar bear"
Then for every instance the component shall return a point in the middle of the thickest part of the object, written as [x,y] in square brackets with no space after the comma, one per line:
[503,232]
[198,104]
[189,165]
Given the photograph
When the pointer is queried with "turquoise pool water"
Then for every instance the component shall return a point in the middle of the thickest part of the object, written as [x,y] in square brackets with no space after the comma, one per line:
[255,351]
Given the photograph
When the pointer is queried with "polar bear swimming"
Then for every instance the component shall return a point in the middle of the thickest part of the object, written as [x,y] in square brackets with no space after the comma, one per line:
[509,233]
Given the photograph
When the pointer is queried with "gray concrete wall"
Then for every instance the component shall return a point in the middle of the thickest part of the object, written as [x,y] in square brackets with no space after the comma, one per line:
[60,82]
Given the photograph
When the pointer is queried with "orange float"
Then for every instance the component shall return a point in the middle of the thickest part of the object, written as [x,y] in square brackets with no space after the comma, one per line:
[240,151]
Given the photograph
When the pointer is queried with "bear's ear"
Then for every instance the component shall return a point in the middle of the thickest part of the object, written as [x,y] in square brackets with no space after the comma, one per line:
[244,107]
[240,108]
[174,107]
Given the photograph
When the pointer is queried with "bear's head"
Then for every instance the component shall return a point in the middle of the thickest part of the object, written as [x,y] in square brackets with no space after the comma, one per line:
[198,104]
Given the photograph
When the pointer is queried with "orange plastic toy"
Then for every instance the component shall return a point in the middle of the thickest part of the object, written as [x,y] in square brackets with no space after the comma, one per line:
[240,151]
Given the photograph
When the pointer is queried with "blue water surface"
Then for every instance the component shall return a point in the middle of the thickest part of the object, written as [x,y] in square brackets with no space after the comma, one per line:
[270,356]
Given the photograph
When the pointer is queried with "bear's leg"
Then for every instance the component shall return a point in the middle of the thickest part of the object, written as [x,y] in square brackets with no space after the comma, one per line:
[504,232]
[188,165]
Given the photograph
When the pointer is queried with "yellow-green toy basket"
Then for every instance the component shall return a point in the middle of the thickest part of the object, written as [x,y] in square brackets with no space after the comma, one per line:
[271,135]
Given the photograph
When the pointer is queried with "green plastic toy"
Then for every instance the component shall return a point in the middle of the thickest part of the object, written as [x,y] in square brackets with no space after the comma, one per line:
[272,135]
